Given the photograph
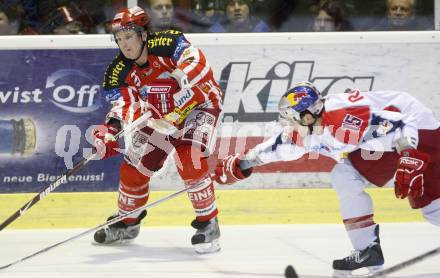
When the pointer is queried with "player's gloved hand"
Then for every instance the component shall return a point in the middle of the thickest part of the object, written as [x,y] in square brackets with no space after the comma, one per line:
[409,177]
[105,142]
[228,170]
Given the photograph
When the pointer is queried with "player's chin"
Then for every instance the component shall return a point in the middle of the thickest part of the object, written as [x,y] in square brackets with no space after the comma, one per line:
[129,55]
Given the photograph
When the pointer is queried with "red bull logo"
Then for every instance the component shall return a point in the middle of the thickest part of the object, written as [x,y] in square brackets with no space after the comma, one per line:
[295,98]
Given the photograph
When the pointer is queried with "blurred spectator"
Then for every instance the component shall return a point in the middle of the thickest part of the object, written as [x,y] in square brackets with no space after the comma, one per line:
[279,14]
[401,16]
[67,20]
[205,14]
[9,22]
[330,16]
[104,21]
[239,19]
[163,16]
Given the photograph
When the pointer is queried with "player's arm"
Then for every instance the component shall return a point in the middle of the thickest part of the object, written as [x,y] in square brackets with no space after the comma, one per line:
[124,109]
[281,147]
[412,163]
[117,91]
[191,65]
[191,70]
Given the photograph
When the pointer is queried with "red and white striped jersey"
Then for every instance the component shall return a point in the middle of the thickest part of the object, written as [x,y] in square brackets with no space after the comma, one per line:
[126,84]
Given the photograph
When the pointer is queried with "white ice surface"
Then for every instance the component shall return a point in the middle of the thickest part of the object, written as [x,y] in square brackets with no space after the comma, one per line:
[247,251]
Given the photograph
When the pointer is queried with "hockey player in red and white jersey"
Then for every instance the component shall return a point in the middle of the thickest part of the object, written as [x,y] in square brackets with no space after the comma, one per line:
[374,137]
[163,74]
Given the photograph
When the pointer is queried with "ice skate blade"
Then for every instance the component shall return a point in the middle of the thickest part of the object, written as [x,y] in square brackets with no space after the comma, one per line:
[357,273]
[114,243]
[207,248]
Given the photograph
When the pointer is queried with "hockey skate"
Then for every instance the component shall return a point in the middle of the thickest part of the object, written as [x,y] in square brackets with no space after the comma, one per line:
[206,238]
[370,258]
[119,232]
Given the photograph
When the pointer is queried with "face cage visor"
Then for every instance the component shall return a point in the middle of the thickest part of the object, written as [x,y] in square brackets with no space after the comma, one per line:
[290,114]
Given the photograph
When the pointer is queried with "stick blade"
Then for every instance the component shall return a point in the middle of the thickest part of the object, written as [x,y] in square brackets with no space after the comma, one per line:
[5,266]
[290,272]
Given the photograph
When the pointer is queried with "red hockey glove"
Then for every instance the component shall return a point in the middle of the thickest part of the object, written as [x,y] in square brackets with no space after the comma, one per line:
[409,179]
[228,170]
[104,141]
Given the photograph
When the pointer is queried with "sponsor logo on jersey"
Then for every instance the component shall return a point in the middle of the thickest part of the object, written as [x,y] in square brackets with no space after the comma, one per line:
[112,94]
[182,48]
[252,92]
[114,77]
[159,41]
[351,122]
[158,89]
[182,97]
[384,127]
[178,115]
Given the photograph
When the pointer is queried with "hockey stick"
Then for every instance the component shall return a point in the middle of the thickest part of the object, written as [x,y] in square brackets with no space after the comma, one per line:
[404,264]
[64,178]
[291,273]
[109,222]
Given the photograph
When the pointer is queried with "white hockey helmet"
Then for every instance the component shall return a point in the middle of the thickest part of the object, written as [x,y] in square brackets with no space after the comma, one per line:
[302,97]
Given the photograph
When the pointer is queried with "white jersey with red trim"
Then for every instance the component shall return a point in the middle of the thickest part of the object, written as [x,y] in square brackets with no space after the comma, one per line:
[357,120]
[375,120]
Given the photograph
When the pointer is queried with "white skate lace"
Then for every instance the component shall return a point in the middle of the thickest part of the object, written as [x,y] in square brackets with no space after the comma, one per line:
[354,256]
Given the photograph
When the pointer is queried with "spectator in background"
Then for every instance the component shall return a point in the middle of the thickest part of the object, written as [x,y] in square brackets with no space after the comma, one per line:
[163,15]
[401,16]
[205,13]
[104,24]
[9,22]
[239,19]
[330,17]
[67,20]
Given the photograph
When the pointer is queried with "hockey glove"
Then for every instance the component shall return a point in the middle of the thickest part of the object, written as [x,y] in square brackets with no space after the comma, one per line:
[409,177]
[228,170]
[105,142]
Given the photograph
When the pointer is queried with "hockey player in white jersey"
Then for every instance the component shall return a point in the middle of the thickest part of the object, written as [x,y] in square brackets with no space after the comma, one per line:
[374,137]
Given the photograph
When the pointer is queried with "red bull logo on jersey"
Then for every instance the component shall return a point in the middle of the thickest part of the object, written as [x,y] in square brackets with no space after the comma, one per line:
[295,98]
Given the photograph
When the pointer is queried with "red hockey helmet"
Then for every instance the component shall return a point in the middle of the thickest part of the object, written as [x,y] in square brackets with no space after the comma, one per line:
[134,18]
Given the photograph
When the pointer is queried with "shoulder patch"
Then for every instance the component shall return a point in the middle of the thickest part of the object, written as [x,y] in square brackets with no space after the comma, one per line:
[116,73]
[166,43]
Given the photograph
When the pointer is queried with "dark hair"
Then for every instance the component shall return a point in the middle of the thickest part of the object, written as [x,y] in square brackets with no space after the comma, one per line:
[247,2]
[336,9]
